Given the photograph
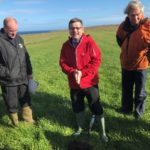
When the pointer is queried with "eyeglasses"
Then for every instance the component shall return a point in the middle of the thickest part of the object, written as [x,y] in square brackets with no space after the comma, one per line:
[10,30]
[73,28]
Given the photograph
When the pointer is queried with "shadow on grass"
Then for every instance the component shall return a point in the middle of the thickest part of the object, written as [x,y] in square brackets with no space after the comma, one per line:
[130,139]
[62,141]
[128,133]
[124,133]
[57,109]
[54,108]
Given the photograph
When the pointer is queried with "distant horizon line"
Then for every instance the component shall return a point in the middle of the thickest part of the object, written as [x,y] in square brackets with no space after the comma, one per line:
[36,31]
[52,30]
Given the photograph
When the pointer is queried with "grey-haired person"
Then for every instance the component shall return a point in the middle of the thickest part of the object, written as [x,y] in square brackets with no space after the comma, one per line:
[15,71]
[133,37]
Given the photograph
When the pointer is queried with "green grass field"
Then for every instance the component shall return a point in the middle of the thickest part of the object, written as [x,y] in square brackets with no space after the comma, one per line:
[52,107]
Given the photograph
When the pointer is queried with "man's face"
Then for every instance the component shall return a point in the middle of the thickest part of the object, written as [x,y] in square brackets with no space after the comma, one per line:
[11,29]
[76,30]
[135,16]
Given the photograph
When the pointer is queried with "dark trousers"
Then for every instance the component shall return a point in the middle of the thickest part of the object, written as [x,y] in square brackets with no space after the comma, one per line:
[15,94]
[92,95]
[133,91]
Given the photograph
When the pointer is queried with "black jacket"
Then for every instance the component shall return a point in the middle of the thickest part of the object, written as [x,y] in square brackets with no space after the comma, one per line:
[15,62]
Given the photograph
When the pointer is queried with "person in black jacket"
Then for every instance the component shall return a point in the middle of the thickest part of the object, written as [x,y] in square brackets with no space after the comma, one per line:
[15,71]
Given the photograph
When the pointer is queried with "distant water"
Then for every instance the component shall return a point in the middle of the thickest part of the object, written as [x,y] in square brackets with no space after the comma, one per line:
[34,32]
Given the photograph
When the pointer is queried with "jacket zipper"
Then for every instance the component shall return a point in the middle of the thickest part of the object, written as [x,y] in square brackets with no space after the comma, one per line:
[127,46]
[76,53]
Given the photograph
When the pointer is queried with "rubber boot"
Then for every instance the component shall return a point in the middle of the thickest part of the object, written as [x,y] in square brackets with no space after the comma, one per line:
[91,123]
[27,114]
[101,121]
[80,123]
[14,118]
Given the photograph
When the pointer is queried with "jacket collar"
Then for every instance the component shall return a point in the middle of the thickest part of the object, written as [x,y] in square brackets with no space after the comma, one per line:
[128,27]
[72,41]
[3,34]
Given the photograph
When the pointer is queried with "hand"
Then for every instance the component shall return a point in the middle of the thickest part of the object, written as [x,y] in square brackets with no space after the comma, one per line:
[77,75]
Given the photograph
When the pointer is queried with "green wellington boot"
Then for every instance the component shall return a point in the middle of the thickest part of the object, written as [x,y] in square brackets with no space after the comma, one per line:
[80,122]
[101,121]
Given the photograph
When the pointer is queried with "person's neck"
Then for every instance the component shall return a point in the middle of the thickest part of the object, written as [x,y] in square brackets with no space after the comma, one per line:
[76,40]
[134,25]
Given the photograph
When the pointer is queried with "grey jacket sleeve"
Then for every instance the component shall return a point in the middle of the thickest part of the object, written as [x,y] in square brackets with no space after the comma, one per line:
[3,67]
[28,62]
[29,66]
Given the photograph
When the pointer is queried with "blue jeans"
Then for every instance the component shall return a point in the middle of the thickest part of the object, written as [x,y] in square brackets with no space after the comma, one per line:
[133,91]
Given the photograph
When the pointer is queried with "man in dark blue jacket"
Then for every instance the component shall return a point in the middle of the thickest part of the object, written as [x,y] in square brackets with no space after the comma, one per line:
[15,71]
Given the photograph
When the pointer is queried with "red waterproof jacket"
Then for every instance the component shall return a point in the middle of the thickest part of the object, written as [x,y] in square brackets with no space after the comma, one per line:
[85,57]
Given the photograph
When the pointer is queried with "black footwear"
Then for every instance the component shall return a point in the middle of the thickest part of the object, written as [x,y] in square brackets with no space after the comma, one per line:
[137,116]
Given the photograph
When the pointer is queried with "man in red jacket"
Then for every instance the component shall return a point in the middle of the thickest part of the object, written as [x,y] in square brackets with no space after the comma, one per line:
[80,59]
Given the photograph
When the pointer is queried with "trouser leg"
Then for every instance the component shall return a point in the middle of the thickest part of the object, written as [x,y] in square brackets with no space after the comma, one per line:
[10,97]
[127,91]
[92,95]
[140,93]
[24,96]
[25,103]
[96,108]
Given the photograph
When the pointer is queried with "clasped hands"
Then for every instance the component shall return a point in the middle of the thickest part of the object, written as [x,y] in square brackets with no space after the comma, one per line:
[77,76]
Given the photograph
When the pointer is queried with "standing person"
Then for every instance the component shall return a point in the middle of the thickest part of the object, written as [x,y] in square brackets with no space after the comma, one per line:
[133,37]
[15,71]
[80,59]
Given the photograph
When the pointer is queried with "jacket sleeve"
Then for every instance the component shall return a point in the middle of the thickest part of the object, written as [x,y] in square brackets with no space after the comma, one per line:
[119,40]
[148,53]
[63,62]
[28,62]
[119,35]
[146,31]
[95,59]
[3,69]
[29,66]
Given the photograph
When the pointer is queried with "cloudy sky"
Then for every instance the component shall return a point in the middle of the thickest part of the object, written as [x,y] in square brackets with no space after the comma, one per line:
[34,15]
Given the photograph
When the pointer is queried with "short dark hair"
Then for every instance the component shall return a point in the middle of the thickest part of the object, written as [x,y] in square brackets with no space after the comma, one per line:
[74,20]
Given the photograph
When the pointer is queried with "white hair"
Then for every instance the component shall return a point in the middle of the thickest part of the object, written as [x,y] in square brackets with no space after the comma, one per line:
[133,5]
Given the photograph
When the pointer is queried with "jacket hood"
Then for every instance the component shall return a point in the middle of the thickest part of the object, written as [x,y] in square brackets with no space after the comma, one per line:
[3,34]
